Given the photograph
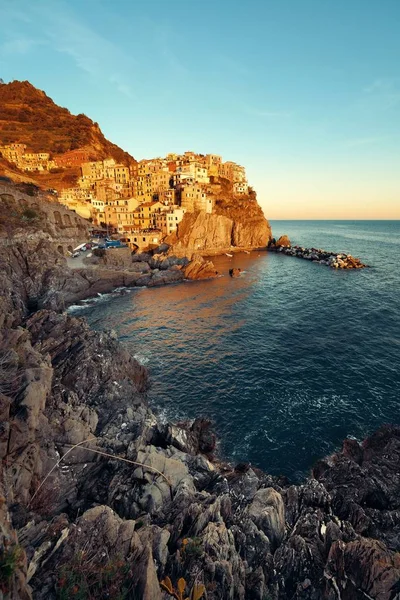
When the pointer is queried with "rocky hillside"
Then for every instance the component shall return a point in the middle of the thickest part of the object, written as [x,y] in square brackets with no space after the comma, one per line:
[237,222]
[29,116]
[101,499]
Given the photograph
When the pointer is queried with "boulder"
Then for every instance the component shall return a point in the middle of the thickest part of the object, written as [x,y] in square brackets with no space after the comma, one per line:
[235,272]
[199,268]
[141,257]
[268,513]
[283,242]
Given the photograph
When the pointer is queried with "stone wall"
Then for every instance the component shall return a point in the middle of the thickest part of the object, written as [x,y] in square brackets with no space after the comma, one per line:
[55,221]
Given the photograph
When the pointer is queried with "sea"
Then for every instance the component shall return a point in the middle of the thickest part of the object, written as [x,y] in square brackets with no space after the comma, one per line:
[288,359]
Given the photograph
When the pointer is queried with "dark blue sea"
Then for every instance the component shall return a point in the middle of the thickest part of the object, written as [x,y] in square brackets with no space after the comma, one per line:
[287,360]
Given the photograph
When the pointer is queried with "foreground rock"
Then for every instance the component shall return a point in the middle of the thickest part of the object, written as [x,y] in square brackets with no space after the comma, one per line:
[99,498]
[199,268]
[331,259]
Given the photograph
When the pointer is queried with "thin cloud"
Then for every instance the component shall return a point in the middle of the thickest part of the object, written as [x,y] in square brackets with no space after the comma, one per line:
[66,33]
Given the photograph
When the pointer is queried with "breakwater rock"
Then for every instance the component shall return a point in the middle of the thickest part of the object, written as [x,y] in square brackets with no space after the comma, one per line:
[335,260]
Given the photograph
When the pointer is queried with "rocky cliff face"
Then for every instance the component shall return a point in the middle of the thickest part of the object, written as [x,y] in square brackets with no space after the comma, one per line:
[236,222]
[201,232]
[104,499]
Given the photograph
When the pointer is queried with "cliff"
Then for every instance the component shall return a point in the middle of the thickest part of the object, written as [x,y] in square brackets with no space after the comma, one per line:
[100,498]
[237,222]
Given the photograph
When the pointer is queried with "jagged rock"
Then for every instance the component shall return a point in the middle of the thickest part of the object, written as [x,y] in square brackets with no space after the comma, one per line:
[199,268]
[268,513]
[202,231]
[242,224]
[243,533]
[141,257]
[362,569]
[117,258]
[283,242]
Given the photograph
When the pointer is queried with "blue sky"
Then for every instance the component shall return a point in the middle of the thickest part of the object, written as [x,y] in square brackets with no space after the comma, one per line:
[304,93]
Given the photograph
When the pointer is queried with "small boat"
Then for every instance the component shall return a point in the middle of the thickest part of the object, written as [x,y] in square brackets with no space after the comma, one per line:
[246,251]
[230,255]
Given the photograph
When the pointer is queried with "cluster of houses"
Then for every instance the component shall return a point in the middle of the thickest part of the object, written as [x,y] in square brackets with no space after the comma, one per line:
[27,161]
[146,201]
[41,162]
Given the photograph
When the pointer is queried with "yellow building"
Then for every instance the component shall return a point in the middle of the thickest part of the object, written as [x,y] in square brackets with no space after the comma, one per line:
[141,240]
[194,197]
[167,197]
[93,170]
[240,187]
[13,153]
[196,170]
[160,181]
[142,188]
[120,212]
[232,171]
[145,214]
[121,174]
[168,220]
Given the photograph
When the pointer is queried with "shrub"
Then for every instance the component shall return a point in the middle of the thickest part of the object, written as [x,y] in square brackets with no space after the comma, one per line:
[30,214]
[192,548]
[99,252]
[85,579]
[10,559]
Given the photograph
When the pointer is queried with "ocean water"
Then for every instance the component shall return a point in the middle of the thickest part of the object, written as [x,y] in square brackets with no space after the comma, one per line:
[288,359]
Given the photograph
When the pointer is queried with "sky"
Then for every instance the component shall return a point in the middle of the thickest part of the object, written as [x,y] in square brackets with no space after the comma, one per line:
[304,93]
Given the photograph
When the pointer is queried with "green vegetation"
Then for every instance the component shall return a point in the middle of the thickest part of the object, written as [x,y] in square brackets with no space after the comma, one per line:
[10,559]
[84,579]
[192,548]
[30,214]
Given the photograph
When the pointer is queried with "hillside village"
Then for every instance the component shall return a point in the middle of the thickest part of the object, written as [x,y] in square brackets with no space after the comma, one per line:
[144,202]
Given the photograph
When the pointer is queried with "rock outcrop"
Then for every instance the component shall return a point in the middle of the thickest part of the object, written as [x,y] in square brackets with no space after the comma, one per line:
[199,268]
[236,222]
[201,232]
[283,242]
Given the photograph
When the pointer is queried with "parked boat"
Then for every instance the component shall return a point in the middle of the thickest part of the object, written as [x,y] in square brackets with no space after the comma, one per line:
[230,255]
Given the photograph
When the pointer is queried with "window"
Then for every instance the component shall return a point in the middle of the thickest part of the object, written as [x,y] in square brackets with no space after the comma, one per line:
[144,239]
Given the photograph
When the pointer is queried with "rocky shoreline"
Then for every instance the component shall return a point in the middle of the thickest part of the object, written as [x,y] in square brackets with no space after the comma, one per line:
[99,497]
[335,260]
